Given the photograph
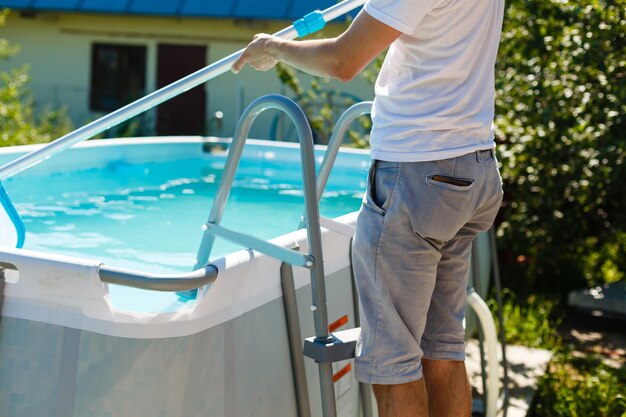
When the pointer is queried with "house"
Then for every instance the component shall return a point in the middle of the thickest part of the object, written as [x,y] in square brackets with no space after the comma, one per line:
[94,56]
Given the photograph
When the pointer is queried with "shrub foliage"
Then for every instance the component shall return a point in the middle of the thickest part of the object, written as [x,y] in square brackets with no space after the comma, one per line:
[20,124]
[560,127]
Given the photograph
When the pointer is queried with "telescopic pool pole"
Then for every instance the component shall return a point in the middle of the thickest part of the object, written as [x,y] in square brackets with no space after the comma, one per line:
[310,23]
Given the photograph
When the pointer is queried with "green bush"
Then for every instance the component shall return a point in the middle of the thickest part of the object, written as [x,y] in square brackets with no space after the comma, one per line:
[19,124]
[560,127]
[580,386]
[530,323]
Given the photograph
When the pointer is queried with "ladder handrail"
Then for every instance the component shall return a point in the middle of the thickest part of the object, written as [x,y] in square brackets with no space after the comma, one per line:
[158,282]
[307,154]
[476,303]
[336,139]
[170,91]
[235,151]
[314,236]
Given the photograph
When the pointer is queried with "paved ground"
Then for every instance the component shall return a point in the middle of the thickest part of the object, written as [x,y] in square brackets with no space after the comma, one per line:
[593,332]
[587,332]
[525,367]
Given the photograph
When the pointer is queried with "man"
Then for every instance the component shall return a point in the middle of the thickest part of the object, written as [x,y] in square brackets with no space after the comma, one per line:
[433,186]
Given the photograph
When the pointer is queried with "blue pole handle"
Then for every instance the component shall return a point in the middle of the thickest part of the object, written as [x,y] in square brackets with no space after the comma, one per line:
[310,23]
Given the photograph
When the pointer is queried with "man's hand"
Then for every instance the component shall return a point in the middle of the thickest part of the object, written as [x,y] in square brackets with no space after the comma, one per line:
[261,54]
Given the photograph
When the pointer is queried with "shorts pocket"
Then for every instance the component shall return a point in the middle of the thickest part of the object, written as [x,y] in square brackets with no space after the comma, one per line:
[381,183]
[447,182]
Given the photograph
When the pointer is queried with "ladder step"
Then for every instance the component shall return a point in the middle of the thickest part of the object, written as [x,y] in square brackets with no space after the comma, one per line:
[341,348]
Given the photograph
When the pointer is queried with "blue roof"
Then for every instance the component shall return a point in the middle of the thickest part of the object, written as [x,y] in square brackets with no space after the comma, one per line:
[236,9]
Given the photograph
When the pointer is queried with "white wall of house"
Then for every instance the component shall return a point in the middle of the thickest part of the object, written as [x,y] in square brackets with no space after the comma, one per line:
[57,49]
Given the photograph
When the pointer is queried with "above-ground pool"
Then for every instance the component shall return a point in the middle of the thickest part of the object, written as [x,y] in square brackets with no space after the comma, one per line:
[141,203]
[72,345]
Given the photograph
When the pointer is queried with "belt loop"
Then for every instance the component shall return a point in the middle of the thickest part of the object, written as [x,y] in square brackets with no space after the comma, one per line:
[478,156]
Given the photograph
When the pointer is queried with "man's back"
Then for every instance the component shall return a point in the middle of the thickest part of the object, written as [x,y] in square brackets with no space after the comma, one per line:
[435,92]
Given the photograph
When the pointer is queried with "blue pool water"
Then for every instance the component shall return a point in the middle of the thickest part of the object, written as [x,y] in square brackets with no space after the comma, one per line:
[149,216]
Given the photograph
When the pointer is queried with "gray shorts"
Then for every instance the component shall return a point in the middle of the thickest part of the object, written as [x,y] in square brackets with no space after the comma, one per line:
[411,255]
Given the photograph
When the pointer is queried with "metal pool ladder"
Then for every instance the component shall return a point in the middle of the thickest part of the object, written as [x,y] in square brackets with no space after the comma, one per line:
[313,260]
[323,347]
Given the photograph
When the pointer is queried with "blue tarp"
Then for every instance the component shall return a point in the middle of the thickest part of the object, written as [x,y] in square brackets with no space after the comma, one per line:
[236,9]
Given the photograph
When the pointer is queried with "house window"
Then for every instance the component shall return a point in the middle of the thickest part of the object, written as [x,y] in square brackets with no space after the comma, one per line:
[118,75]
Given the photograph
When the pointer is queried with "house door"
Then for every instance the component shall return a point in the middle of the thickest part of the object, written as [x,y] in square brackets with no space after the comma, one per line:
[186,113]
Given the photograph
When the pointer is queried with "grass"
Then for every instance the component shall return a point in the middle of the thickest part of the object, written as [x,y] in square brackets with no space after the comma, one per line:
[576,383]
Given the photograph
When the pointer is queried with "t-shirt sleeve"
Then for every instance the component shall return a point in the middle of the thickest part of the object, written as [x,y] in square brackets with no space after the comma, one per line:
[402,15]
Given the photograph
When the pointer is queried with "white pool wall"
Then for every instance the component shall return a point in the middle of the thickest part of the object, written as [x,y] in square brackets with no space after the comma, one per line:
[228,356]
[66,351]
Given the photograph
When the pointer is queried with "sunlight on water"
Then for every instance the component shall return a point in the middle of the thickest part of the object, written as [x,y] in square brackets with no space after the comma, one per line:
[149,217]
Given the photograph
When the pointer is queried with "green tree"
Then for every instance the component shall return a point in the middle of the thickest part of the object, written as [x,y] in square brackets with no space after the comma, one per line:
[323,105]
[20,124]
[560,127]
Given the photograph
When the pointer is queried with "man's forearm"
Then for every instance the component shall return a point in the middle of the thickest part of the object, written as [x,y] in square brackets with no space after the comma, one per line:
[342,57]
[321,57]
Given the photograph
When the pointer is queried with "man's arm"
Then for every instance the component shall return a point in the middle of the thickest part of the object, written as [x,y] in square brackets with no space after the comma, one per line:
[342,57]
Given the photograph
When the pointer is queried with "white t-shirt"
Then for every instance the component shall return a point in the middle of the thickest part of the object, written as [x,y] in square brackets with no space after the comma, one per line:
[435,91]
